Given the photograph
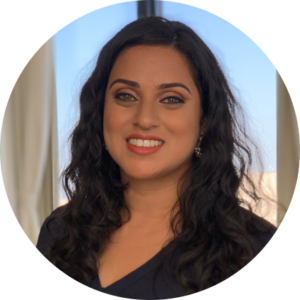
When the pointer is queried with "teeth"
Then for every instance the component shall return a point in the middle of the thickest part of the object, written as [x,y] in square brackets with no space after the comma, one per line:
[144,143]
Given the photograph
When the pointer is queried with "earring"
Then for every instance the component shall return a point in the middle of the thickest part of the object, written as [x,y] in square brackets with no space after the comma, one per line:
[198,148]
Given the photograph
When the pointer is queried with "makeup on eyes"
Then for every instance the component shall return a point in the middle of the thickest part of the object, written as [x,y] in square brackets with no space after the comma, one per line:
[169,100]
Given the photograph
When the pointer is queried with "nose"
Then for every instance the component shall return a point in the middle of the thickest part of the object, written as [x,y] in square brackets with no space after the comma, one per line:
[146,115]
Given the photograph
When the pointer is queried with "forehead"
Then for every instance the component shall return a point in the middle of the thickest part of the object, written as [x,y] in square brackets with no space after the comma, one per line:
[156,63]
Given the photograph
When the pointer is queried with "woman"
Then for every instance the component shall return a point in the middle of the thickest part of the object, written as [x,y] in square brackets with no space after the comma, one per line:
[158,156]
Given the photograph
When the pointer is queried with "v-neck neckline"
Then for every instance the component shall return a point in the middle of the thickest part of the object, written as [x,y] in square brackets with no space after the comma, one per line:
[136,274]
[130,278]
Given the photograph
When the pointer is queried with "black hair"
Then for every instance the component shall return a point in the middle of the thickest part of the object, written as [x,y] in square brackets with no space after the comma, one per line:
[212,231]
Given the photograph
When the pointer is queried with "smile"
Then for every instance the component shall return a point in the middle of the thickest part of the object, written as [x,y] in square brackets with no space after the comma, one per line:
[145,143]
[144,150]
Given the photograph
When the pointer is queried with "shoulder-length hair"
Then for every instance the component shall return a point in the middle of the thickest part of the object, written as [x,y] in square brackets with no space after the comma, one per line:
[212,232]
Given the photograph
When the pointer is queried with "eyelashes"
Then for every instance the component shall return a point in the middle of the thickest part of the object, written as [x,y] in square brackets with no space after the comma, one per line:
[125,97]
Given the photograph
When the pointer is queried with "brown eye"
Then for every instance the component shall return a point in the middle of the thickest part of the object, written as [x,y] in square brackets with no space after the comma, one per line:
[124,95]
[174,98]
[126,98]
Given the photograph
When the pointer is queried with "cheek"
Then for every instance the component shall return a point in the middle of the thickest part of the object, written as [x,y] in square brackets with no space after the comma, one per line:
[111,123]
[185,127]
[189,133]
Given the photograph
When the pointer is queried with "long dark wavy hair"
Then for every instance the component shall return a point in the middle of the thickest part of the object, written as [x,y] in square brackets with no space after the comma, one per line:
[212,232]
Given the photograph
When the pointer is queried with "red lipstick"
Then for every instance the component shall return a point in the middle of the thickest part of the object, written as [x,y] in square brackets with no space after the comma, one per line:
[143,150]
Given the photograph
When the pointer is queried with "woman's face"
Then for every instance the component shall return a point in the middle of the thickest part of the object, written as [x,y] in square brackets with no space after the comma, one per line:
[152,113]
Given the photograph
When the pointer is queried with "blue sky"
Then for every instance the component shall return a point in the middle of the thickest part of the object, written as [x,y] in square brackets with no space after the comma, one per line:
[250,73]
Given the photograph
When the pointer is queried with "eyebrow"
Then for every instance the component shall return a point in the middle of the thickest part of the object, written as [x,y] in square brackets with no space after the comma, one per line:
[160,87]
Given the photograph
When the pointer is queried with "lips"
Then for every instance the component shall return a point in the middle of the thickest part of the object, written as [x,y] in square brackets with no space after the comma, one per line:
[143,150]
[144,137]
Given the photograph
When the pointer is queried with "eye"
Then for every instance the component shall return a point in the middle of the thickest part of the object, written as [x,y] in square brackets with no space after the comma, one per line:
[118,97]
[172,100]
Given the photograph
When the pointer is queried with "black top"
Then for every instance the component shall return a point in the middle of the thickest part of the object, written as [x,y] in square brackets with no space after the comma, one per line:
[139,283]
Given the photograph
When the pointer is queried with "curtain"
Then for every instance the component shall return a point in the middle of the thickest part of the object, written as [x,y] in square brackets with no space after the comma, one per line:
[29,148]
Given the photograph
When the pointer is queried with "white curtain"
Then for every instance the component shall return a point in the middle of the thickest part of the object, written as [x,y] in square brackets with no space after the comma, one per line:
[29,149]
